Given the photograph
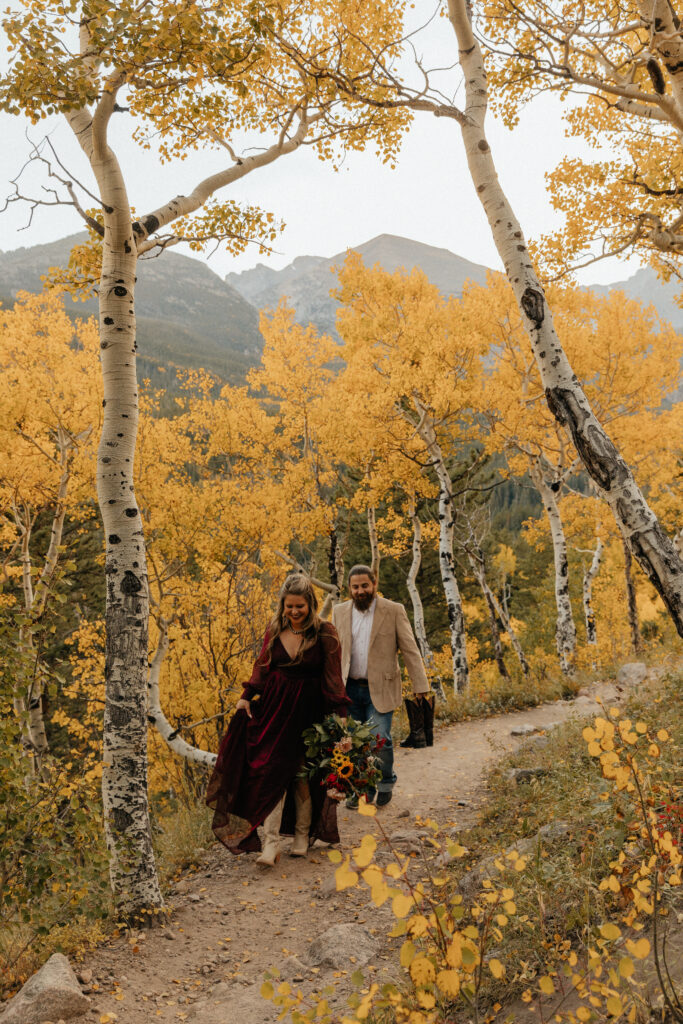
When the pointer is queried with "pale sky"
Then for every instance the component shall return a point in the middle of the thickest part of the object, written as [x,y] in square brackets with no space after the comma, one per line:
[428,198]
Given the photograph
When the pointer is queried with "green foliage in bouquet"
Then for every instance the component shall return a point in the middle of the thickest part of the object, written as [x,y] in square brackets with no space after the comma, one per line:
[343,751]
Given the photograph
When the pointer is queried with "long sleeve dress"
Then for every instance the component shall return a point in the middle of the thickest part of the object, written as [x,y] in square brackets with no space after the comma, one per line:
[259,757]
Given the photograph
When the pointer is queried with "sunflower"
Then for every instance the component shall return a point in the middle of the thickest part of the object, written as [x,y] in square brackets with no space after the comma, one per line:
[345,771]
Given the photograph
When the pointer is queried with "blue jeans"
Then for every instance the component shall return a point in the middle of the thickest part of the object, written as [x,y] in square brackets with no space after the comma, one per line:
[363,710]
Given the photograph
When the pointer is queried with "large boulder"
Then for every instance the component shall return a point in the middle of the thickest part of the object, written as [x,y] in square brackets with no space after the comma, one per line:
[53,993]
[632,674]
[341,945]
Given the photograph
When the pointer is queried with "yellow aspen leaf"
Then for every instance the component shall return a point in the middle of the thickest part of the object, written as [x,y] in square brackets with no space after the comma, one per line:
[344,877]
[379,894]
[510,907]
[639,949]
[372,875]
[426,1000]
[365,852]
[448,982]
[470,957]
[284,989]
[422,970]
[393,870]
[662,735]
[614,1006]
[501,920]
[408,952]
[594,749]
[546,985]
[626,967]
[418,925]
[641,727]
[455,850]
[583,1013]
[454,952]
[267,990]
[366,809]
[589,734]
[496,968]
[335,856]
[653,750]
[401,904]
[610,932]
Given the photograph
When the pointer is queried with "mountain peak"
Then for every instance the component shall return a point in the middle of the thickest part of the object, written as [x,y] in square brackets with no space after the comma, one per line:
[307,281]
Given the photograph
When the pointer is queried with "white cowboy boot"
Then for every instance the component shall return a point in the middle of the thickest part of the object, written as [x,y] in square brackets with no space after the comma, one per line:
[304,814]
[270,854]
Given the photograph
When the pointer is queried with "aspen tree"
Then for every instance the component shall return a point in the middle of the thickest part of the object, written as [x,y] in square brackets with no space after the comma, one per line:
[629,359]
[414,371]
[196,75]
[563,391]
[49,415]
[621,63]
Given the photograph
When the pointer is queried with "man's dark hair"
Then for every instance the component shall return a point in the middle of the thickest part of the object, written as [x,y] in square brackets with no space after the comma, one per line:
[362,570]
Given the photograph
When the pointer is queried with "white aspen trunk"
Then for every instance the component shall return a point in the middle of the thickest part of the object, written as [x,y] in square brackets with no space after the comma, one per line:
[588,577]
[632,607]
[28,697]
[418,610]
[156,716]
[22,681]
[374,543]
[678,543]
[500,611]
[127,824]
[565,631]
[564,394]
[495,636]
[480,576]
[666,42]
[456,620]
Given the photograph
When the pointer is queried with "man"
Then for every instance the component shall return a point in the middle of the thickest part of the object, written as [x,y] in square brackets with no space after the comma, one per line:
[372,631]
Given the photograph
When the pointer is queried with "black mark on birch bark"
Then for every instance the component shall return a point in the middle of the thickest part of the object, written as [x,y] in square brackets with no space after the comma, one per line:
[533,306]
[130,584]
[595,449]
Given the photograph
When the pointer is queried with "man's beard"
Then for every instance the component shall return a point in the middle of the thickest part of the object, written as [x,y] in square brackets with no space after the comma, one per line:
[363,601]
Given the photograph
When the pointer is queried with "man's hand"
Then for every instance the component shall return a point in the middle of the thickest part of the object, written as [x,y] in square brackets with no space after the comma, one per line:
[244,705]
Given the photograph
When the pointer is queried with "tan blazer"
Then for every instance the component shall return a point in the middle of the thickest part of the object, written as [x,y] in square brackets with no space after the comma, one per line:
[391,633]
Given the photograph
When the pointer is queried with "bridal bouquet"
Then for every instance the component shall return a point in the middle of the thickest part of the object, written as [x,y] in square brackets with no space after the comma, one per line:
[343,752]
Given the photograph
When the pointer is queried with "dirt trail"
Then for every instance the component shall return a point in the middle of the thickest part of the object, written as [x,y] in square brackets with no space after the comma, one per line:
[231,920]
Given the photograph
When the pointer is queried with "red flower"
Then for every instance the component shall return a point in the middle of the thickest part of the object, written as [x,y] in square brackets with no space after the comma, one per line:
[330,779]
[381,742]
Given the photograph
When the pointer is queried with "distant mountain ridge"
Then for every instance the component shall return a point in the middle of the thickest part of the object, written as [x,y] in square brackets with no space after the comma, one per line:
[645,286]
[308,280]
[188,317]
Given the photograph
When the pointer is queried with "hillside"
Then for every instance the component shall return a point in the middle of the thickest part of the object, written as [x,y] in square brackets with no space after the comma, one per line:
[187,315]
[307,281]
[645,286]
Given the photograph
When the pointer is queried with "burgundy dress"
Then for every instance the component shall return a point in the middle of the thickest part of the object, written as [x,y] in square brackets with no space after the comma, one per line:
[259,757]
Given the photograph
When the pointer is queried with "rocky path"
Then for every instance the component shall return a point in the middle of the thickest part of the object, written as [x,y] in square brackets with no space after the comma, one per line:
[232,921]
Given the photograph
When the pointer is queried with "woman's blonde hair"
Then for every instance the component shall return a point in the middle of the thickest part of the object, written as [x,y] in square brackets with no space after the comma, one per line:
[296,583]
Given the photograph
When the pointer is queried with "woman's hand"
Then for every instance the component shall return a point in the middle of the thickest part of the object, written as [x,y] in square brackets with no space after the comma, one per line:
[244,705]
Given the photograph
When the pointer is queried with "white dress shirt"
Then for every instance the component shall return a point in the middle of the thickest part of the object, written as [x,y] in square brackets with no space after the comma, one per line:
[361,627]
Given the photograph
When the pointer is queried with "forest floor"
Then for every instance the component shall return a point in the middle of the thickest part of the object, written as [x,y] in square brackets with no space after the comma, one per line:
[231,920]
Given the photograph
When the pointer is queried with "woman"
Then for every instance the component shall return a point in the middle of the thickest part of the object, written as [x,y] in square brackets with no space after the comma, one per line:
[296,681]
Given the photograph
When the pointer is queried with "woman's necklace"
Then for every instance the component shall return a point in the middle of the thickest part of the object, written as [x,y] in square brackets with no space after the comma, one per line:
[296,632]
